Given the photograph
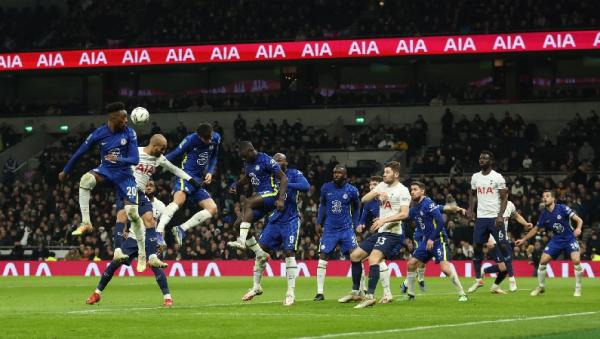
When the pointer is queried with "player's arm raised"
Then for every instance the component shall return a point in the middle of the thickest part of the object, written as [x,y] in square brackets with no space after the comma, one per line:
[83,148]
[392,218]
[454,209]
[373,194]
[180,173]
[298,182]
[519,218]
[529,235]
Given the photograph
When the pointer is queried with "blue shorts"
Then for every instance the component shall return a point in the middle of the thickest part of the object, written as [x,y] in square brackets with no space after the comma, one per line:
[123,181]
[483,228]
[281,234]
[555,247]
[388,243]
[268,206]
[440,251]
[345,238]
[144,204]
[196,194]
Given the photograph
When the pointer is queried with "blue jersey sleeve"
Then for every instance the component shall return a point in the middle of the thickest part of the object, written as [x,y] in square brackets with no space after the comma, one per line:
[212,164]
[83,148]
[133,154]
[438,220]
[542,220]
[363,215]
[441,208]
[298,182]
[180,149]
[355,207]
[567,212]
[322,206]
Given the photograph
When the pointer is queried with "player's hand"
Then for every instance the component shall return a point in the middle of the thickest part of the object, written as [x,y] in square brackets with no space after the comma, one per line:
[194,183]
[577,232]
[490,245]
[62,176]
[383,197]
[519,242]
[376,225]
[499,222]
[280,204]
[461,211]
[360,228]
[409,245]
[111,157]
[207,179]
[528,226]
[429,245]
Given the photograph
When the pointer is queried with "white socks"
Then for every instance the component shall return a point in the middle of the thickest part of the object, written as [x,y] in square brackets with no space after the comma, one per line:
[252,244]
[259,267]
[411,277]
[166,217]
[321,272]
[420,274]
[244,229]
[137,227]
[541,275]
[196,219]
[362,286]
[291,271]
[86,185]
[384,276]
[578,274]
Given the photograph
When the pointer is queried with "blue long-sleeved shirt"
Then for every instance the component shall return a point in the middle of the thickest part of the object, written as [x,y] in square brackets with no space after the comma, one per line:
[558,221]
[123,144]
[200,158]
[296,183]
[339,207]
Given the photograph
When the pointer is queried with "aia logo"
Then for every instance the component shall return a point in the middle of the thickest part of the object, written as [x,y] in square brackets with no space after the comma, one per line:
[385,205]
[485,190]
[144,169]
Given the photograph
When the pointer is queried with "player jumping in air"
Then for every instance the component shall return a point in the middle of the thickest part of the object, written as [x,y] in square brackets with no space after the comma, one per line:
[130,247]
[281,231]
[557,218]
[118,152]
[488,190]
[338,215]
[386,243]
[200,162]
[269,184]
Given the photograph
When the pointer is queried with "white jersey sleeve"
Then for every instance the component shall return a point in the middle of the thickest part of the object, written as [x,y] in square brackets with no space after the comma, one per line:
[166,164]
[488,193]
[397,197]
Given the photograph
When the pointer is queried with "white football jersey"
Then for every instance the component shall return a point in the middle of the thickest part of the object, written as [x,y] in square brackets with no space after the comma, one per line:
[508,212]
[488,193]
[397,196]
[144,170]
[158,207]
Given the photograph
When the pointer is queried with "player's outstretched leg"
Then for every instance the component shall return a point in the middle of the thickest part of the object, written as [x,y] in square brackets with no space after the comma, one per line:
[384,274]
[291,272]
[86,185]
[209,209]
[450,272]
[118,255]
[477,260]
[253,245]
[104,280]
[161,280]
[259,267]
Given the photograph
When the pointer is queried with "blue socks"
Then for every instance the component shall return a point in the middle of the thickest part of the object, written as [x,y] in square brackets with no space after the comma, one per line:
[151,241]
[118,234]
[161,280]
[107,275]
[373,278]
[356,275]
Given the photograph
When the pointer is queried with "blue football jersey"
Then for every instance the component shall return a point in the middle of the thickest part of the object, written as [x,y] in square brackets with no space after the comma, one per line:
[339,207]
[261,173]
[200,157]
[429,221]
[122,143]
[296,183]
[558,221]
[370,212]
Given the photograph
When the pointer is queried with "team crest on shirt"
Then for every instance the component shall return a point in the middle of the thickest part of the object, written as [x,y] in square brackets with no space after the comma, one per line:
[210,148]
[345,196]
[257,167]
[123,141]
[558,217]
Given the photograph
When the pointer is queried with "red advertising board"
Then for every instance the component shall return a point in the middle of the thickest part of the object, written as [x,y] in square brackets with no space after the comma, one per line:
[304,50]
[206,268]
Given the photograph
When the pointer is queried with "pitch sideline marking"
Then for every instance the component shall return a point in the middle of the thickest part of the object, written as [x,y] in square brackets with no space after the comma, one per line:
[432,327]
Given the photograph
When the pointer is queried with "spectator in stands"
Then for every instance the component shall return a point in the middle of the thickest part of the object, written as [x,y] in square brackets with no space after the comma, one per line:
[586,152]
[386,143]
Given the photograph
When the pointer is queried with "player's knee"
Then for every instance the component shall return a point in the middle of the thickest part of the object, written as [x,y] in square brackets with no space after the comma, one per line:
[87,181]
[502,267]
[355,256]
[132,212]
[212,209]
[412,265]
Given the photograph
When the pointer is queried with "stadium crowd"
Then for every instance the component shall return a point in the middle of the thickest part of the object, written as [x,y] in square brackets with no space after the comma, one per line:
[37,212]
[83,23]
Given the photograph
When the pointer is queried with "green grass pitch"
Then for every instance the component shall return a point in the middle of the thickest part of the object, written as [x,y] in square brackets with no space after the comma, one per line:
[55,307]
